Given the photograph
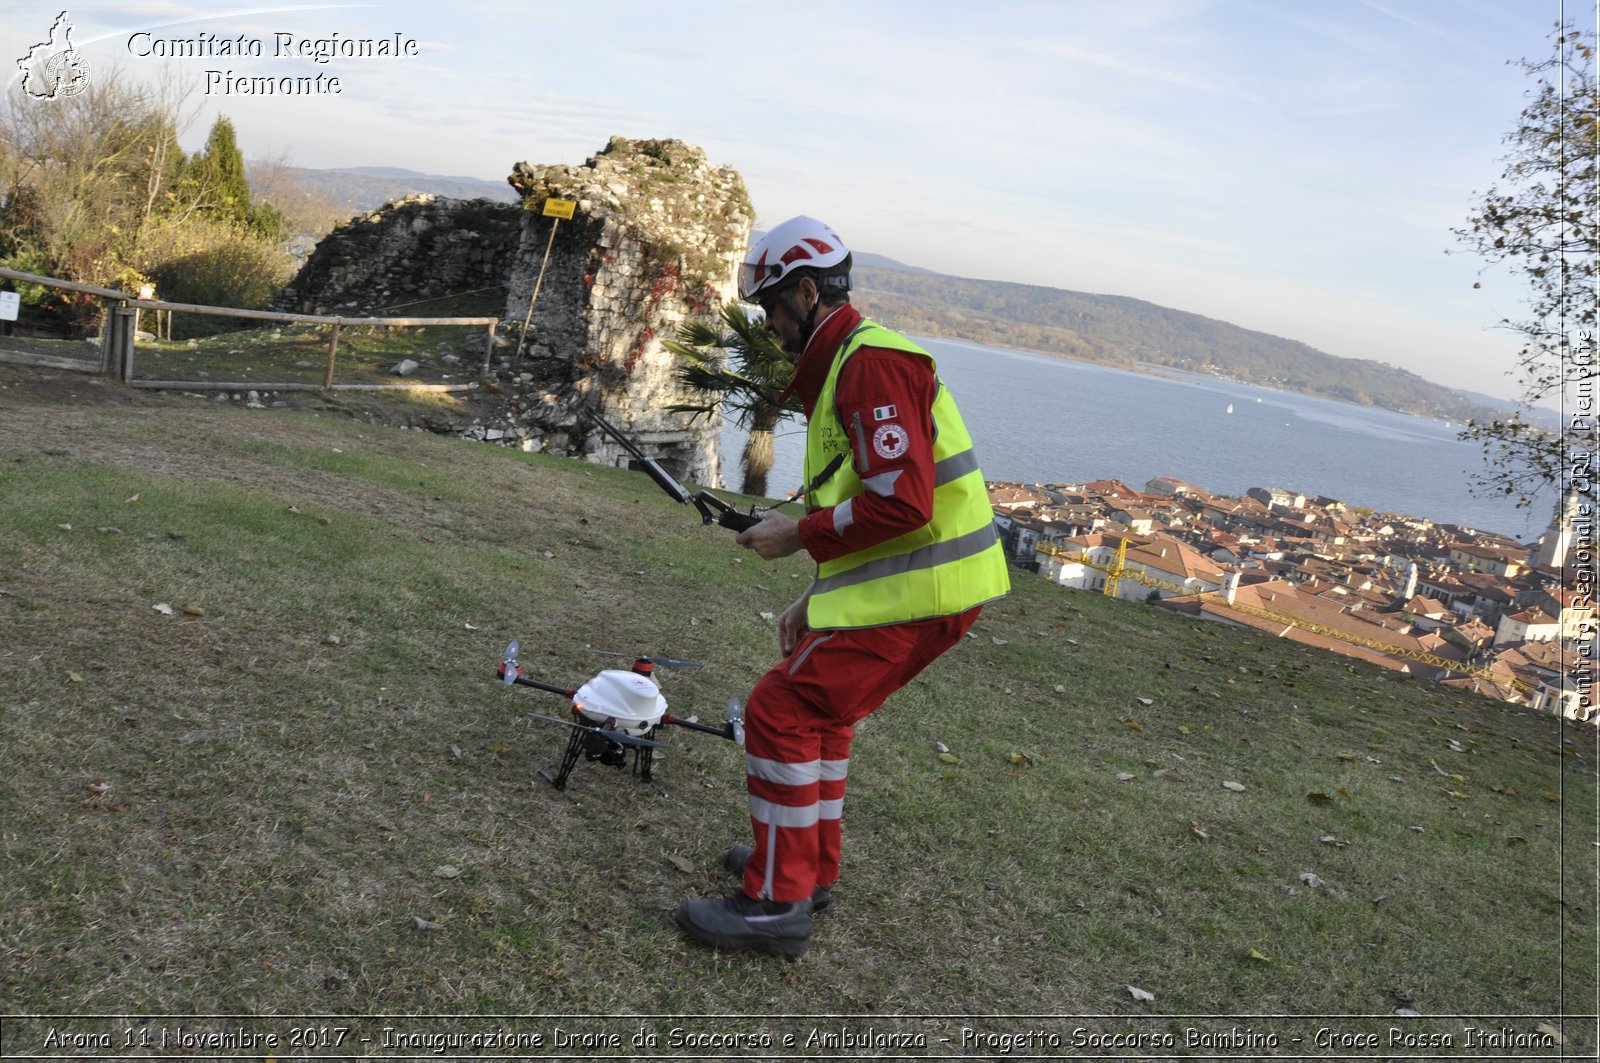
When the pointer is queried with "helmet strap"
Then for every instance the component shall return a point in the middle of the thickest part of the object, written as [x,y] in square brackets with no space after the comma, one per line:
[809,325]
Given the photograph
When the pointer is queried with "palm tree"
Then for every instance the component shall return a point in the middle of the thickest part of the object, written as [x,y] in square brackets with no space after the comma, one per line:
[741,369]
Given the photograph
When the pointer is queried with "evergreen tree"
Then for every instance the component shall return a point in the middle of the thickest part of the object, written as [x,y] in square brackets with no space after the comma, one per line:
[218,174]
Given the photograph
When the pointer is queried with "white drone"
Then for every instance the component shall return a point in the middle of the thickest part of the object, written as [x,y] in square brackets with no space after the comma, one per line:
[615,710]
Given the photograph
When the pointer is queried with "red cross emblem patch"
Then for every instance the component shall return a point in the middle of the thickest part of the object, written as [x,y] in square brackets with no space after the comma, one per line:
[890,441]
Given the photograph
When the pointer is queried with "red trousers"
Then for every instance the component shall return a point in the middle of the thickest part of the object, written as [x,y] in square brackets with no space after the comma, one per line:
[798,729]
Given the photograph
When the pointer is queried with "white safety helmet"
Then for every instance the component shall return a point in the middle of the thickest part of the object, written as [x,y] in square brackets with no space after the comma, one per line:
[799,243]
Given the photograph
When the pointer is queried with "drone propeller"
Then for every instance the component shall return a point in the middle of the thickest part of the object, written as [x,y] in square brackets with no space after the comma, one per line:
[508,667]
[664,662]
[622,738]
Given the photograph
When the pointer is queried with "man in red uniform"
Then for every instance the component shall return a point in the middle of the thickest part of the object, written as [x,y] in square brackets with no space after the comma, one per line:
[899,523]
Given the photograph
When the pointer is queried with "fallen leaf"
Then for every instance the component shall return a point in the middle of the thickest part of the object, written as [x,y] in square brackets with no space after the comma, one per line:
[324,520]
[1183,728]
[1140,994]
[1126,776]
[470,627]
[1345,756]
[98,786]
[1133,725]
[998,641]
[1198,831]
[426,924]
[1255,954]
[193,610]
[949,758]
[1419,828]
[447,871]
[682,863]
[497,747]
[1147,701]
[1552,1033]
[1236,787]
[131,501]
[163,608]
[1310,878]
[940,747]
[74,677]
[1021,758]
[1344,793]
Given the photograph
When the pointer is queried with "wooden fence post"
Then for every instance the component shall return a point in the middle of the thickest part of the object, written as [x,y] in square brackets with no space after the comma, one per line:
[333,348]
[122,332]
[488,349]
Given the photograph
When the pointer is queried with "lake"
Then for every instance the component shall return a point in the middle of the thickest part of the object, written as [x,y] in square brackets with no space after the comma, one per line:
[1040,419]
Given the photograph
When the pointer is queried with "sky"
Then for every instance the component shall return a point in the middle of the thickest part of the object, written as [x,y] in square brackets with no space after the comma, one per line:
[1293,167]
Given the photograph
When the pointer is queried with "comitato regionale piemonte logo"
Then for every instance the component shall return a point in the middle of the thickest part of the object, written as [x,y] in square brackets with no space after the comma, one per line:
[54,68]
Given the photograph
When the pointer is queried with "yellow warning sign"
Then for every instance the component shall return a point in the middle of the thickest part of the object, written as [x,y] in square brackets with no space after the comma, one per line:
[559,208]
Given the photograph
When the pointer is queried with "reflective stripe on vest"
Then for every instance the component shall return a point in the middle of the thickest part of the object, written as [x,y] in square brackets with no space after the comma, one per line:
[947,566]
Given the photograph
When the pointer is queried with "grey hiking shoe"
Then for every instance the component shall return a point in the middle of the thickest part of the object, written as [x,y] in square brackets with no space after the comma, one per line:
[735,859]
[737,922]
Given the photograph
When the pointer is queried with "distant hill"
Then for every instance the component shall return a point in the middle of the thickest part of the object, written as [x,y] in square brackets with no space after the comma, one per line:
[362,188]
[1117,330]
[1110,329]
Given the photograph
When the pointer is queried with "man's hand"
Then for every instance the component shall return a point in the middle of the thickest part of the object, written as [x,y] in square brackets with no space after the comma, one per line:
[792,625]
[778,535]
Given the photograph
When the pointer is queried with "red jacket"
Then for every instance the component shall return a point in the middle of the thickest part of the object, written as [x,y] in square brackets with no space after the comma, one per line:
[882,387]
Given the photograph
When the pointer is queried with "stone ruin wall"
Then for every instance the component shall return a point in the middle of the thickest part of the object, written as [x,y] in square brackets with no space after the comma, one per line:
[407,252]
[655,241]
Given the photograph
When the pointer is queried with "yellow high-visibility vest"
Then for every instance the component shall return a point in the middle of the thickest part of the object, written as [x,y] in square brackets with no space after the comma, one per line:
[948,565]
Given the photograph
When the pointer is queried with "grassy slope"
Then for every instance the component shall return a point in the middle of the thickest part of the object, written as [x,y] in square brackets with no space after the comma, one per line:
[296,766]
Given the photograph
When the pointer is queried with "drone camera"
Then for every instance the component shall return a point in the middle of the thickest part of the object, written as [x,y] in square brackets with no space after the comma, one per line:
[598,747]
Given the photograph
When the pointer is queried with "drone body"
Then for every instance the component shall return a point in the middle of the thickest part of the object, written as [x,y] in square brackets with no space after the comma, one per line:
[615,710]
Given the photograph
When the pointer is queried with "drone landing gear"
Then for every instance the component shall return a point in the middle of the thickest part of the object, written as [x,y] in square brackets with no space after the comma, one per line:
[593,745]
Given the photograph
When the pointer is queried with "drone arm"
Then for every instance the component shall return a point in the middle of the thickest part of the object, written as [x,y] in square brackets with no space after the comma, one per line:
[551,687]
[725,731]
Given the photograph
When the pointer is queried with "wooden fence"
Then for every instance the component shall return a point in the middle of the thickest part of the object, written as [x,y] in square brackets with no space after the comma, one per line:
[121,324]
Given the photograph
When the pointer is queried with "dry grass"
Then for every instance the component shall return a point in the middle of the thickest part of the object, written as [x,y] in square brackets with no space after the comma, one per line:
[246,809]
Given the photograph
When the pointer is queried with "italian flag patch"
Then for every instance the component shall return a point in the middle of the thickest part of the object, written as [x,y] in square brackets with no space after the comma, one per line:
[883,413]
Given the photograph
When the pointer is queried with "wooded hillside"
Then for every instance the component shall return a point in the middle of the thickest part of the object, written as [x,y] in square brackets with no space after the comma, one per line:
[1117,330]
